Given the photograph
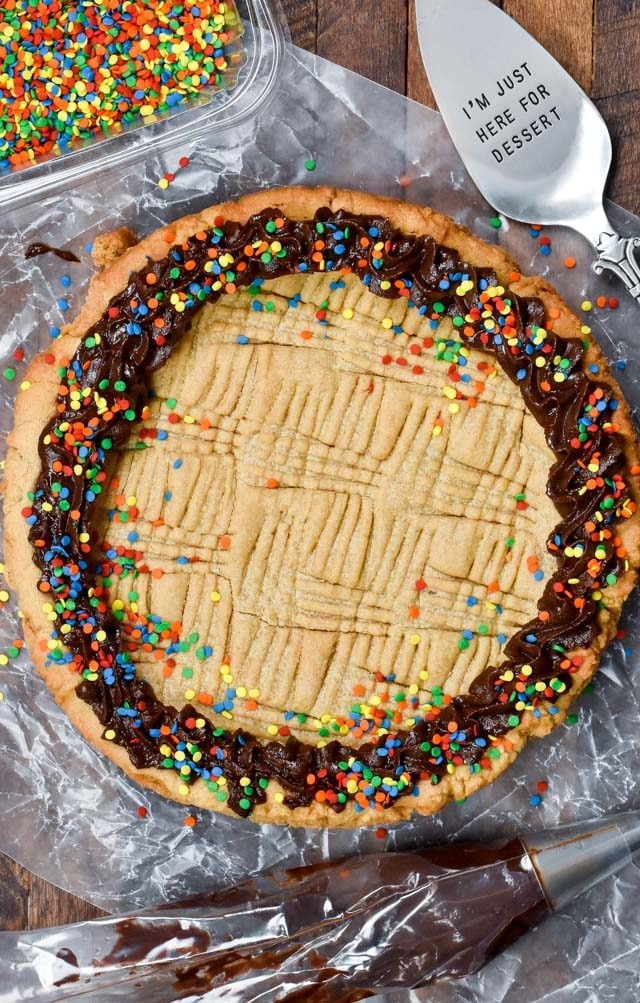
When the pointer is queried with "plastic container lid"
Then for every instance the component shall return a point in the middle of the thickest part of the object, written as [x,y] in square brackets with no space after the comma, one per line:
[255,60]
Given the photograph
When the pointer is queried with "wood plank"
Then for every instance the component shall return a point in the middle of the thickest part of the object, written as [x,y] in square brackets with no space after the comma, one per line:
[617,47]
[50,906]
[566,30]
[622,115]
[366,36]
[302,17]
[14,895]
[418,86]
[617,91]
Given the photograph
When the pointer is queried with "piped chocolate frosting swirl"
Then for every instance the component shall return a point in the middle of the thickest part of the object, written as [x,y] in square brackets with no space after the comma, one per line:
[103,391]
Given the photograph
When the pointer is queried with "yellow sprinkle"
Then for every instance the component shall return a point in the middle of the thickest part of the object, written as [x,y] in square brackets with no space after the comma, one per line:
[436,430]
[215,596]
[279,797]
[424,674]
[347,314]
[25,384]
[585,329]
[4,595]
[454,408]
[183,789]
[586,305]
[272,729]
[387,323]
[163,183]
[254,694]
[189,694]
[415,639]
[110,735]
[4,660]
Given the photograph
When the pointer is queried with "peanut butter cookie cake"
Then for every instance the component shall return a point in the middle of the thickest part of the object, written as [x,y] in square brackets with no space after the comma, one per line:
[322,511]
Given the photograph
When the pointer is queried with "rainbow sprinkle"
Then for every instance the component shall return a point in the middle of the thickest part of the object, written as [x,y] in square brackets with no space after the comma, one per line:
[73,71]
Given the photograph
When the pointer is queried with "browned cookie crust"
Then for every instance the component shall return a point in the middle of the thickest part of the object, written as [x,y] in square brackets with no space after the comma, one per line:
[23,464]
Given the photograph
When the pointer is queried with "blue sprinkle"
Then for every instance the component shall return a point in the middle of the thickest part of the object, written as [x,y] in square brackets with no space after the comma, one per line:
[242,339]
[177,464]
[621,364]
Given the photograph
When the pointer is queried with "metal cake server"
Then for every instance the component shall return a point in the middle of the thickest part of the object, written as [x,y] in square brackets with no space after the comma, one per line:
[535,145]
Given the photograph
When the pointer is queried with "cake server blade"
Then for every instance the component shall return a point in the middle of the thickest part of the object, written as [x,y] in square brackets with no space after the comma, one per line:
[535,145]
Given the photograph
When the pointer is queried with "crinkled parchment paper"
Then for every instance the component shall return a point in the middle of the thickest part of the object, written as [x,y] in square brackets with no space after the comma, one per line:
[68,814]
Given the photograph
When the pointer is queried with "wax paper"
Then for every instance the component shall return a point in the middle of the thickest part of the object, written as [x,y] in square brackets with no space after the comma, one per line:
[68,814]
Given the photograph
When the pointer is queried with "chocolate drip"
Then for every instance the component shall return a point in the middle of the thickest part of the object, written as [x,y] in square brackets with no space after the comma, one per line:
[135,336]
[38,248]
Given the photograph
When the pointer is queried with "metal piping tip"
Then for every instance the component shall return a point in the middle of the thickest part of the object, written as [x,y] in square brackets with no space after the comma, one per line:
[571,859]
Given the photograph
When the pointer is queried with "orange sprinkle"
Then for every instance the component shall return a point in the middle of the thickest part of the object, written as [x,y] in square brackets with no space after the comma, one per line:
[569,262]
[225,542]
[189,821]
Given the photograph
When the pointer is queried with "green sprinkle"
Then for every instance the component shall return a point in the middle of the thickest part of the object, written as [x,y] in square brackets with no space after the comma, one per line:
[310,164]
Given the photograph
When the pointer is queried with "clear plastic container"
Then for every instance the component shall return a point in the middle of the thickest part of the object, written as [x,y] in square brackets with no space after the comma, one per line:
[256,57]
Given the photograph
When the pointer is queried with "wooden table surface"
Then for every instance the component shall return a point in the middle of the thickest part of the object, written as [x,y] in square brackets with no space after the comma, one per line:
[598,41]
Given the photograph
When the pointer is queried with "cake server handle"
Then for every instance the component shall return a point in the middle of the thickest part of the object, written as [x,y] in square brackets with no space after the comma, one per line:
[618,255]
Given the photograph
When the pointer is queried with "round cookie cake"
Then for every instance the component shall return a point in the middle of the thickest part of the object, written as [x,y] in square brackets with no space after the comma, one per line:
[323,511]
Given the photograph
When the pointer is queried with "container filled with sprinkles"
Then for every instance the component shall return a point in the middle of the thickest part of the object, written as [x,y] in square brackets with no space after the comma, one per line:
[273,115]
[92,85]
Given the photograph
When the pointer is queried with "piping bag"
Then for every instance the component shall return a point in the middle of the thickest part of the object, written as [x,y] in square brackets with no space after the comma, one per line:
[339,931]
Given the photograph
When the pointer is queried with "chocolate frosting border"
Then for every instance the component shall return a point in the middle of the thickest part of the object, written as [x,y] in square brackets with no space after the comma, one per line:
[102,393]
